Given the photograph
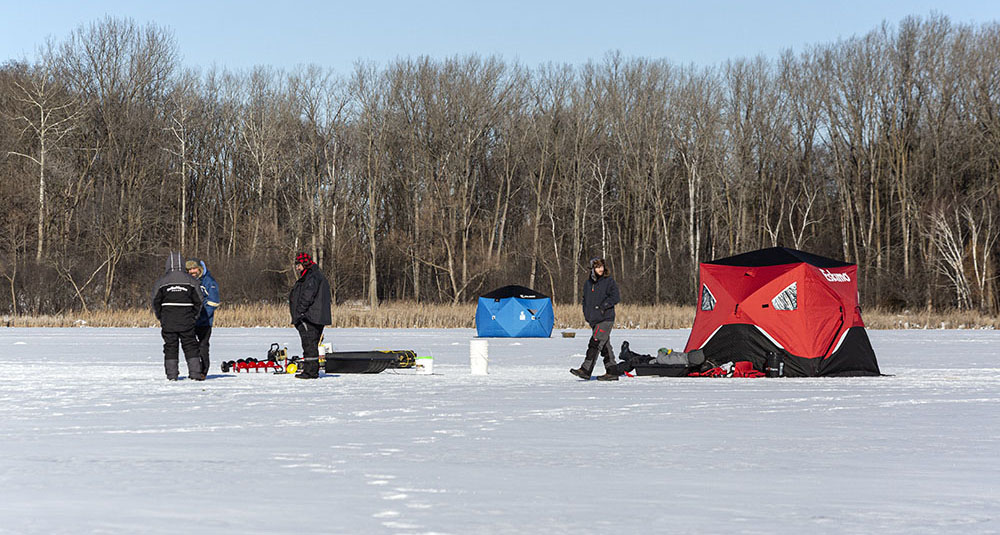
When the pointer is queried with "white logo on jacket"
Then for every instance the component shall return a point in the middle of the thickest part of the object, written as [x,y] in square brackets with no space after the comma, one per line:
[176,289]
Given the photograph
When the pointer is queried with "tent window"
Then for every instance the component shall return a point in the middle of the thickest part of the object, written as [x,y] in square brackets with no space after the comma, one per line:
[788,299]
[707,299]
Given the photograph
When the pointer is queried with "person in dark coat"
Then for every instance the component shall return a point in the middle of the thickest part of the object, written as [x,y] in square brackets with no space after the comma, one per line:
[210,295]
[600,295]
[176,304]
[309,304]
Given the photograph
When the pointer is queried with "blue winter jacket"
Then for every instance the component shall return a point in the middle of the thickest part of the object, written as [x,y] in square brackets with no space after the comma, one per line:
[210,290]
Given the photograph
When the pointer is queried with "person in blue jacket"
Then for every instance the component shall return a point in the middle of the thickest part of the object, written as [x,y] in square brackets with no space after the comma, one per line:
[600,295]
[210,294]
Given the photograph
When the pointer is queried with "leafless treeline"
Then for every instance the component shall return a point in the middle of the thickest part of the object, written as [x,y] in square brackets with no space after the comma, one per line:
[433,179]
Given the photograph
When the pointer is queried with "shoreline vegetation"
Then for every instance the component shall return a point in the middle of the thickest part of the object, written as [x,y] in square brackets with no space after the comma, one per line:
[410,315]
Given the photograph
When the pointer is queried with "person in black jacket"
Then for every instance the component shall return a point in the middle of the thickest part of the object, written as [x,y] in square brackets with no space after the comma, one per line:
[309,304]
[177,303]
[600,295]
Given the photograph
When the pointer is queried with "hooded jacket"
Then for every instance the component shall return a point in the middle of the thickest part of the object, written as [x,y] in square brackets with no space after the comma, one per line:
[309,299]
[210,293]
[176,297]
[600,295]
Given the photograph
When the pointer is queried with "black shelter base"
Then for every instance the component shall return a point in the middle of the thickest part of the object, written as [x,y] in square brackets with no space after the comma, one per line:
[739,342]
[664,370]
[855,357]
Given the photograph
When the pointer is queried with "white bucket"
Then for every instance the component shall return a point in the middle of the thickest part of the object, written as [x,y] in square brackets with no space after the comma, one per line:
[479,359]
[424,365]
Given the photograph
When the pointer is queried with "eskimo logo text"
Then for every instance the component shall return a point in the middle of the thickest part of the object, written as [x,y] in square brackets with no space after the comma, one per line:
[835,277]
[176,289]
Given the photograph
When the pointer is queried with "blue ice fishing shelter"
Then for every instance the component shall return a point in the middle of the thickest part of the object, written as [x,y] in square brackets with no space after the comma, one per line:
[514,312]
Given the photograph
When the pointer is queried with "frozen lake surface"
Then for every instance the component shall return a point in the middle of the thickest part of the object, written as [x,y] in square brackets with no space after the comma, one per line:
[95,440]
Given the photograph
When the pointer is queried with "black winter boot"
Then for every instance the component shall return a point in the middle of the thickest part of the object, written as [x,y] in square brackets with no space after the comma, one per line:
[310,369]
[589,361]
[194,369]
[172,369]
[579,372]
[611,373]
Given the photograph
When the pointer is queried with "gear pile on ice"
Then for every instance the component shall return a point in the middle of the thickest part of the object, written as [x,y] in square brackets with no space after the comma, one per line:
[279,362]
[743,368]
[670,363]
[666,363]
[271,363]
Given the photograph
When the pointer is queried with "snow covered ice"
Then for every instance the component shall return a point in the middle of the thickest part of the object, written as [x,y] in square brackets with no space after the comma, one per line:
[95,440]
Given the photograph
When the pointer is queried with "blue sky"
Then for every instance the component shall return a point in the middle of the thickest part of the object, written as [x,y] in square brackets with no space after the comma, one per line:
[335,34]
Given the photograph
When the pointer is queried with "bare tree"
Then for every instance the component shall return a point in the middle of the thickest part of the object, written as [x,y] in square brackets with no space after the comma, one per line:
[984,233]
[181,103]
[800,78]
[49,116]
[262,135]
[14,241]
[369,93]
[123,70]
[550,96]
[693,135]
[587,134]
[946,237]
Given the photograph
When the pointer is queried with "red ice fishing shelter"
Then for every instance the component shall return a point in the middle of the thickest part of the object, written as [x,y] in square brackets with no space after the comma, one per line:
[784,306]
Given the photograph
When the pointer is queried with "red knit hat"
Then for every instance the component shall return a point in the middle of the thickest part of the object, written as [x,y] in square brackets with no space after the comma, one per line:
[304,259]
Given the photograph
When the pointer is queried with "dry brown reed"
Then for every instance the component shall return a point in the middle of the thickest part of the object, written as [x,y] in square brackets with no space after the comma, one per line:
[929,319]
[436,316]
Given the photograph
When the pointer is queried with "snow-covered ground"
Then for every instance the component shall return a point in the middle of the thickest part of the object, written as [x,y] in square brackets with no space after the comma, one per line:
[93,439]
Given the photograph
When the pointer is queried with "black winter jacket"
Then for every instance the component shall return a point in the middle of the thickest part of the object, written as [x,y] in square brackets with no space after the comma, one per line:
[176,297]
[599,299]
[309,299]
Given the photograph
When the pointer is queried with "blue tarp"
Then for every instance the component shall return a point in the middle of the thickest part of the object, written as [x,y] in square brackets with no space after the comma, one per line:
[514,312]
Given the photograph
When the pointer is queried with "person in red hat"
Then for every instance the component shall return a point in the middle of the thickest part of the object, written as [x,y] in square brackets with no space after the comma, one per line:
[309,304]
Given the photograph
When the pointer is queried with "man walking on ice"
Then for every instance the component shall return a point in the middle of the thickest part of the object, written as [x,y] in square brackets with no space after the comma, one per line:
[600,295]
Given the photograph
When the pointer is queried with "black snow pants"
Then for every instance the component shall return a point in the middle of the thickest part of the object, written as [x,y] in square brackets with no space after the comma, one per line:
[187,341]
[600,344]
[310,335]
[203,333]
